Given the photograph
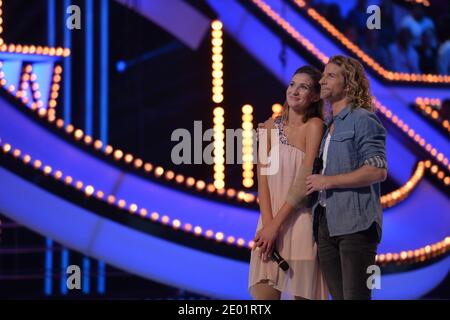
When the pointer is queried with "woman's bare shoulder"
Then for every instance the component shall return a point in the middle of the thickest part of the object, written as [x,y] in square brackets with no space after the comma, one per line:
[315,122]
[315,126]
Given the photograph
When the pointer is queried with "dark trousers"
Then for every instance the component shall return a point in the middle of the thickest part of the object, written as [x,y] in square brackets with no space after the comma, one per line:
[344,259]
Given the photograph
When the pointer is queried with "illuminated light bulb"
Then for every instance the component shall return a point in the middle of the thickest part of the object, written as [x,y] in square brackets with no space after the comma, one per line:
[148,167]
[165,219]
[154,216]
[47,170]
[128,158]
[56,78]
[89,190]
[111,199]
[433,152]
[197,230]
[170,175]
[447,181]
[247,109]
[190,181]
[179,178]
[188,227]
[37,164]
[121,203]
[231,193]
[98,144]
[240,242]
[176,223]
[251,244]
[69,128]
[79,185]
[133,208]
[78,134]
[159,171]
[218,112]
[209,234]
[219,184]
[118,154]
[138,163]
[60,123]
[248,183]
[210,188]
[16,153]
[26,159]
[249,198]
[230,239]
[58,69]
[58,175]
[216,25]
[108,149]
[68,180]
[200,185]
[100,194]
[6,148]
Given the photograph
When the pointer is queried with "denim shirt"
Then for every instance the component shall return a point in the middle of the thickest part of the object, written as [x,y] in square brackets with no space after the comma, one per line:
[358,135]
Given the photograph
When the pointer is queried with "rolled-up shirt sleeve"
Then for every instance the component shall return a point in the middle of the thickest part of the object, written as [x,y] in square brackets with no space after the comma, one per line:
[371,141]
[377,162]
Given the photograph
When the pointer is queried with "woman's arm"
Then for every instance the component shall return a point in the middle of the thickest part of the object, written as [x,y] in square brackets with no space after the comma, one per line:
[265,205]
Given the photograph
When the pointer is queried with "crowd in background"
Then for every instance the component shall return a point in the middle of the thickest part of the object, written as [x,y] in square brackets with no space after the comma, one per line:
[418,42]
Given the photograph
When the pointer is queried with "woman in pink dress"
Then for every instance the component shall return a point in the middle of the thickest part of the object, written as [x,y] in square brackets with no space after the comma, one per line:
[285,223]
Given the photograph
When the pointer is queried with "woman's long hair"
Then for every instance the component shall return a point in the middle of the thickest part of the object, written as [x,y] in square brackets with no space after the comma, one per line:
[316,108]
[356,82]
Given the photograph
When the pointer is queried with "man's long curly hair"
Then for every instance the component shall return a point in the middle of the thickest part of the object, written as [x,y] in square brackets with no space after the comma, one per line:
[356,82]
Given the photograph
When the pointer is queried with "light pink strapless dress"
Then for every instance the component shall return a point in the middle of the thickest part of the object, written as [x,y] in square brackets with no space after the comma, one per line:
[295,242]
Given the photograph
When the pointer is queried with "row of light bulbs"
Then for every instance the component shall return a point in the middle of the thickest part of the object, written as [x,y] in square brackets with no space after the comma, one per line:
[147,167]
[217,98]
[40,50]
[386,74]
[111,199]
[413,135]
[25,49]
[424,104]
[418,255]
[396,196]
[247,146]
[217,61]
[219,147]
[400,194]
[29,80]
[422,254]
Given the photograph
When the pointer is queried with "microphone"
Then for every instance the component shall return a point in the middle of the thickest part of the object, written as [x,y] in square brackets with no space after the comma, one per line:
[279,259]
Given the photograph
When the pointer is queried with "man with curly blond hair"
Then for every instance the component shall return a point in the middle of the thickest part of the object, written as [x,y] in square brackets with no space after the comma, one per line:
[348,213]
